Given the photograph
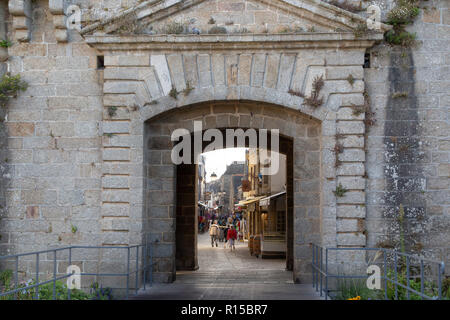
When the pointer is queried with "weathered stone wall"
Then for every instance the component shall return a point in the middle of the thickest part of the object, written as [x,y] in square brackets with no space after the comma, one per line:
[408,147]
[51,173]
[73,153]
[237,17]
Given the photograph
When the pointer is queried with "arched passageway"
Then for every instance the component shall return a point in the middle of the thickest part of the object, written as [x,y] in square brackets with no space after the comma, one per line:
[169,190]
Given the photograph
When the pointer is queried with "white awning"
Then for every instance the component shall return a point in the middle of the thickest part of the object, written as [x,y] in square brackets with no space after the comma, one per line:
[266,201]
[245,202]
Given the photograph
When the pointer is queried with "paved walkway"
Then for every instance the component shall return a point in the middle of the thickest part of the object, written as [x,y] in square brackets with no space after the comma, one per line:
[225,275]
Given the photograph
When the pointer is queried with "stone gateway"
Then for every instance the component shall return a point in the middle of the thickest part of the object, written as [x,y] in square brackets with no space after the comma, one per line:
[86,148]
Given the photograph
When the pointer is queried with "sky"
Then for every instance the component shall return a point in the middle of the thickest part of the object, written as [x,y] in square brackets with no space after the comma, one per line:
[217,160]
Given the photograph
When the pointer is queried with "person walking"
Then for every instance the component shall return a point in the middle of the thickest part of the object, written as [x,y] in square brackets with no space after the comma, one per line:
[214,233]
[232,236]
[221,232]
[225,233]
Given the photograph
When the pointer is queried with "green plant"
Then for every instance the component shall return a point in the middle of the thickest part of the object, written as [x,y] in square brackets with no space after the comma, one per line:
[173,93]
[45,291]
[313,99]
[430,288]
[369,119]
[188,89]
[211,21]
[402,94]
[350,79]
[351,288]
[112,111]
[61,292]
[358,110]
[338,148]
[340,191]
[218,30]
[5,277]
[403,13]
[9,87]
[400,37]
[25,294]
[100,293]
[74,229]
[5,43]
[173,28]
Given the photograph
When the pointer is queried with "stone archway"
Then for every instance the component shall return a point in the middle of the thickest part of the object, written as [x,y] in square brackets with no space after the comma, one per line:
[133,91]
[187,208]
[301,140]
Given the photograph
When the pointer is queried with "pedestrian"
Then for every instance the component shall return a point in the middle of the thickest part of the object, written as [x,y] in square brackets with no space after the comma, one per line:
[225,233]
[214,233]
[221,233]
[232,236]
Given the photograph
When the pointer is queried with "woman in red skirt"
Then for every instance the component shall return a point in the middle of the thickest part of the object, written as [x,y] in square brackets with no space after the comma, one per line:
[231,236]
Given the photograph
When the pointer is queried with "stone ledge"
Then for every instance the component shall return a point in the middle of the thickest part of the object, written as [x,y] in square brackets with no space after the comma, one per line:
[231,41]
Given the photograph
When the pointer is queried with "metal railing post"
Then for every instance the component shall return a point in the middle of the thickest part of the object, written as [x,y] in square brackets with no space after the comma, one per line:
[321,268]
[407,277]
[151,265]
[317,266]
[440,272]
[385,274]
[128,271]
[37,277]
[70,263]
[313,267]
[16,277]
[144,254]
[421,278]
[396,278]
[326,274]
[54,275]
[137,270]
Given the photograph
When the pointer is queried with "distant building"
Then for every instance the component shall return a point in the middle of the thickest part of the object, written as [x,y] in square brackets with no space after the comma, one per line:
[224,191]
[201,178]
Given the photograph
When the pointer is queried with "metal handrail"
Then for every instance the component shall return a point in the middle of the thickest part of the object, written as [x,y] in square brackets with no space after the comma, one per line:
[320,274]
[145,265]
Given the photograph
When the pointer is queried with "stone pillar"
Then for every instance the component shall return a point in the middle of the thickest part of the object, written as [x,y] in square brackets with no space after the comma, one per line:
[59,19]
[21,12]
[287,147]
[186,223]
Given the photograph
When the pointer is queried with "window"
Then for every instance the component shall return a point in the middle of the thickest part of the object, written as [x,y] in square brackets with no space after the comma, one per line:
[100,62]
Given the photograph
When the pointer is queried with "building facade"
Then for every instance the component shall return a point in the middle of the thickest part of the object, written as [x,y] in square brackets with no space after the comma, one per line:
[87,146]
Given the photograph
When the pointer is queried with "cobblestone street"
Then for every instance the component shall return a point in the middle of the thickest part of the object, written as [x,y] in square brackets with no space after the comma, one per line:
[224,275]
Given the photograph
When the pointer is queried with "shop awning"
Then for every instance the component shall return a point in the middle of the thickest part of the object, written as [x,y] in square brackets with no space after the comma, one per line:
[244,202]
[266,201]
[202,204]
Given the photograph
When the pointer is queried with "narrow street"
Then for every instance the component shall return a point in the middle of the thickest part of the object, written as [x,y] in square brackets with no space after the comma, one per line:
[225,275]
